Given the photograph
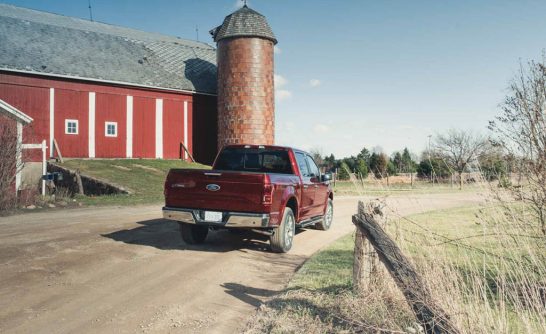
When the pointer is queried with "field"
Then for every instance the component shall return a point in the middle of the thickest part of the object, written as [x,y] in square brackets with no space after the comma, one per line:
[145,177]
[378,188]
[488,275]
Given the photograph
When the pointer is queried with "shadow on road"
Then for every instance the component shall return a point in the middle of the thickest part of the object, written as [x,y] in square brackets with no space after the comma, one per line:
[248,294]
[164,234]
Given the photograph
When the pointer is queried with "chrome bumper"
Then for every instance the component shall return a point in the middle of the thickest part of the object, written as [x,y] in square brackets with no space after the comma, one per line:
[229,219]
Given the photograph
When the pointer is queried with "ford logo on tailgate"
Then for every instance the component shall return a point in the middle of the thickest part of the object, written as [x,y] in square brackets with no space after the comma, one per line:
[213,187]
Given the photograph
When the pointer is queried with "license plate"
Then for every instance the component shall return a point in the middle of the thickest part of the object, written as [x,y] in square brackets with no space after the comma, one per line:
[213,216]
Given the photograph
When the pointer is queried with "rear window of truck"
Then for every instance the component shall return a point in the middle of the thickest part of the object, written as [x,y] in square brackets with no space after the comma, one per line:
[254,160]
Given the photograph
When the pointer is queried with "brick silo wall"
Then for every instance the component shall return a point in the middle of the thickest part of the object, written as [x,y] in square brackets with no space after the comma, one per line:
[246,105]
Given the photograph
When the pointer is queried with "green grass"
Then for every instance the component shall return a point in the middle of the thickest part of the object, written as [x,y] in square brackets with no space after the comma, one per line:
[329,269]
[144,177]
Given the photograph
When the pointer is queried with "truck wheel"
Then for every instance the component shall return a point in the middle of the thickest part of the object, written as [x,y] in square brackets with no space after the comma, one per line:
[193,234]
[283,236]
[327,218]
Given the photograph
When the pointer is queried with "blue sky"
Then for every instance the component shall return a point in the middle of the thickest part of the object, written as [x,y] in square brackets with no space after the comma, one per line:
[363,73]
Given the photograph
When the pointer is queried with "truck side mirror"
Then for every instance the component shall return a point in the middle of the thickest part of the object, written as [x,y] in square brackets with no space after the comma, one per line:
[325,177]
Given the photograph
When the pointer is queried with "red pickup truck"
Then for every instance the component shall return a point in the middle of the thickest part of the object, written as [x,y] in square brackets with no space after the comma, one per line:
[270,190]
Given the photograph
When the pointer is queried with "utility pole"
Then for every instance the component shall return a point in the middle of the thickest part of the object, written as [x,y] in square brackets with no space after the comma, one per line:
[90,11]
[430,161]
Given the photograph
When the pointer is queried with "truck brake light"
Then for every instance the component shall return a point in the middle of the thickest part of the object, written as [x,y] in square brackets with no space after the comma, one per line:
[268,194]
[268,191]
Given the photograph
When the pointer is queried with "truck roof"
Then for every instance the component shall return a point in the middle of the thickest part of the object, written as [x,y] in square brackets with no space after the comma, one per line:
[269,147]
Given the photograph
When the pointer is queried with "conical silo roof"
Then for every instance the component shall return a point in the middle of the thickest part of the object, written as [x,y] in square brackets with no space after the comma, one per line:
[244,22]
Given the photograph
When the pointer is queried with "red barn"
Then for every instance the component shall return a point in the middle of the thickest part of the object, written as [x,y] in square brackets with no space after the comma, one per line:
[103,91]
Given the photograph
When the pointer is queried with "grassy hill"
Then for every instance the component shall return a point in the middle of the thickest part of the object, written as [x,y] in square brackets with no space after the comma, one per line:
[144,177]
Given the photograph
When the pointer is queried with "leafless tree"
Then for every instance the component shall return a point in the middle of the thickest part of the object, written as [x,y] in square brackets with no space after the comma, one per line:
[521,130]
[8,162]
[458,148]
[316,153]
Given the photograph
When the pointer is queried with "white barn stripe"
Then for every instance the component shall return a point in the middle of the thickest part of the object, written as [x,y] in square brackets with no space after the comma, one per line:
[159,128]
[51,120]
[91,124]
[186,129]
[129,140]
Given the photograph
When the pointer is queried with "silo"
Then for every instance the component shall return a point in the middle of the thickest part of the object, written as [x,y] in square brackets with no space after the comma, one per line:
[246,101]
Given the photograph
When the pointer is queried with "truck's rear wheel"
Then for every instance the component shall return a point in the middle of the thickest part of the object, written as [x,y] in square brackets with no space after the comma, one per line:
[327,218]
[283,236]
[193,234]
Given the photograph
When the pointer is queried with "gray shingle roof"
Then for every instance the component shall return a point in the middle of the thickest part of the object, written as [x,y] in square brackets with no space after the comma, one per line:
[244,22]
[50,44]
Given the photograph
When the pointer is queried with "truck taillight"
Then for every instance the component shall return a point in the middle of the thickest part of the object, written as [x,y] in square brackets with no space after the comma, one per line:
[268,191]
[268,194]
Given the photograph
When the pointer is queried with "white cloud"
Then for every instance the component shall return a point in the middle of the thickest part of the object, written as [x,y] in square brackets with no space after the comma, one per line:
[314,82]
[282,94]
[321,128]
[277,50]
[280,81]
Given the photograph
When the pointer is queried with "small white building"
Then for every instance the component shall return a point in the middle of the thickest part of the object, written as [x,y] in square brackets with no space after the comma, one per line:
[21,120]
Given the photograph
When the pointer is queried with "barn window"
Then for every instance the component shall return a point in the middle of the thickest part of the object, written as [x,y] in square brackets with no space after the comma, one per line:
[71,126]
[111,129]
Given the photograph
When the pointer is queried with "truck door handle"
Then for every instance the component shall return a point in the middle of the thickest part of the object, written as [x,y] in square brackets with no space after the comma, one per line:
[305,186]
[316,185]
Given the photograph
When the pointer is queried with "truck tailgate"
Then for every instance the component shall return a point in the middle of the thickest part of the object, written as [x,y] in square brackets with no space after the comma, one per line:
[215,190]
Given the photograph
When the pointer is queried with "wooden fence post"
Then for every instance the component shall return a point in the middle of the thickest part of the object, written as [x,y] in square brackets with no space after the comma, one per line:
[79,182]
[433,318]
[187,151]
[362,266]
[366,271]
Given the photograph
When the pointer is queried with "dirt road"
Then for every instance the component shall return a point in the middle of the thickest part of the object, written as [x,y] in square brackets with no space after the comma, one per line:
[124,270]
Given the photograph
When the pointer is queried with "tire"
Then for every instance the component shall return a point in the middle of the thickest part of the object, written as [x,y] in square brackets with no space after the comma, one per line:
[193,234]
[283,236]
[326,222]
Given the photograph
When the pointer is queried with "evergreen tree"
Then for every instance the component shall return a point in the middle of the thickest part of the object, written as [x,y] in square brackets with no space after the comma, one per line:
[362,168]
[364,155]
[397,162]
[410,166]
[378,164]
[343,171]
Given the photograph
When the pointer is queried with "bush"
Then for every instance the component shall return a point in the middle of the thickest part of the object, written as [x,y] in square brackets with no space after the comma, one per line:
[8,167]
[378,164]
[361,168]
[343,172]
[427,166]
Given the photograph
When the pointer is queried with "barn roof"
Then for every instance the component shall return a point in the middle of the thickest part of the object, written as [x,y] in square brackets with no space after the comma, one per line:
[49,44]
[244,22]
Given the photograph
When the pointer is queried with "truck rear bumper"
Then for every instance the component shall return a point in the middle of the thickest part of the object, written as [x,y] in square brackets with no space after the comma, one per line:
[229,219]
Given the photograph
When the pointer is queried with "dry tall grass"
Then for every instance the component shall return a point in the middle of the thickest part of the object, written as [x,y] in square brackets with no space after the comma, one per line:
[489,278]
[487,271]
